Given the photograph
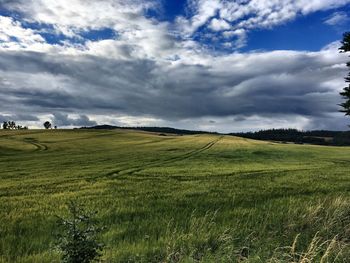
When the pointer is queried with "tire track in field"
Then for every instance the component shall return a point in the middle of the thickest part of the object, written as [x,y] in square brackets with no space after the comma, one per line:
[246,175]
[33,141]
[191,153]
[182,157]
[39,146]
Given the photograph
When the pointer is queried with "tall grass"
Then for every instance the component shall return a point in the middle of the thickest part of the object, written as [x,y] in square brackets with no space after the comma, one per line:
[199,240]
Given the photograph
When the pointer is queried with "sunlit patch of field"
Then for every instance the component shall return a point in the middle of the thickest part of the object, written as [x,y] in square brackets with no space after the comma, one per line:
[197,198]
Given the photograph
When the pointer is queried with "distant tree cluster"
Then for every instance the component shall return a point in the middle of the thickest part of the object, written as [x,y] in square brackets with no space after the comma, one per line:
[345,47]
[11,125]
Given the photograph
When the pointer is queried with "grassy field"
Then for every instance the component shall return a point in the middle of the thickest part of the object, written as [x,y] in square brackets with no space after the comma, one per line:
[198,198]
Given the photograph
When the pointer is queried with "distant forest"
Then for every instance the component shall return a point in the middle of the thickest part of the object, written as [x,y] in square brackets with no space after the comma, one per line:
[161,130]
[322,137]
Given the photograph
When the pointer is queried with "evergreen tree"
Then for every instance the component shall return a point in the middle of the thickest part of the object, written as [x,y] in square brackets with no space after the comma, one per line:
[78,240]
[346,91]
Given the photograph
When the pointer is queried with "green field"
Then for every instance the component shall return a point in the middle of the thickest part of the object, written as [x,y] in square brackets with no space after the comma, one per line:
[195,198]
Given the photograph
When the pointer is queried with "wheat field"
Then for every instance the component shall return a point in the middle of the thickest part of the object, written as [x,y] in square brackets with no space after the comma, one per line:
[170,198]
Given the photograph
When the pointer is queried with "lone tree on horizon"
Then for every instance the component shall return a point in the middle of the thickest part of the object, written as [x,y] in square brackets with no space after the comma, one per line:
[345,47]
[47,125]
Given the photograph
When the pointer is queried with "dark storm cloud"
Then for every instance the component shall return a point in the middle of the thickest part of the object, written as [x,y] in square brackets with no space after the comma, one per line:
[45,101]
[239,118]
[266,84]
[18,117]
[60,119]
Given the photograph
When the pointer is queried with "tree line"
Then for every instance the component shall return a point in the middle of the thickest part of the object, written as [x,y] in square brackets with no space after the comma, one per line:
[161,130]
[11,125]
[321,137]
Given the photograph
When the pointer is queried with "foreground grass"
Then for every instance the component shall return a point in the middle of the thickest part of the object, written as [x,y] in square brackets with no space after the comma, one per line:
[202,198]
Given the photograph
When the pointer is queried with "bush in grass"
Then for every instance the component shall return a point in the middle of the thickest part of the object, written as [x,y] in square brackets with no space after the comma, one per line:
[78,240]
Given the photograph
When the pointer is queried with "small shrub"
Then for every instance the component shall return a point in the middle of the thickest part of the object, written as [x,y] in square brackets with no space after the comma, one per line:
[78,240]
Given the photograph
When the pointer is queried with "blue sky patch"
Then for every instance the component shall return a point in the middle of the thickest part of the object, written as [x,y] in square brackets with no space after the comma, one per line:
[309,33]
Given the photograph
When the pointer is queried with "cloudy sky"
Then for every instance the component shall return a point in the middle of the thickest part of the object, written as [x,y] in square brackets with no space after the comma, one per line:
[199,64]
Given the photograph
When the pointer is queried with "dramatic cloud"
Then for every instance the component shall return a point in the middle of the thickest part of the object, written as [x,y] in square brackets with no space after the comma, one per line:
[149,72]
[135,35]
[60,119]
[72,17]
[281,82]
[18,117]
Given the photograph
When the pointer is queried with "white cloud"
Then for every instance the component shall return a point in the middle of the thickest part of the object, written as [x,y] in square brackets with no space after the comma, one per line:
[251,14]
[136,34]
[70,17]
[332,47]
[12,34]
[241,37]
[338,18]
[219,25]
[202,11]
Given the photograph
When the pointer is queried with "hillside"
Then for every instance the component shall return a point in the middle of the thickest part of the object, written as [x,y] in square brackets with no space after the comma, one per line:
[191,198]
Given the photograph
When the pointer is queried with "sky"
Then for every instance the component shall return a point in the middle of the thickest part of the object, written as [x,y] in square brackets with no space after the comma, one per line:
[215,65]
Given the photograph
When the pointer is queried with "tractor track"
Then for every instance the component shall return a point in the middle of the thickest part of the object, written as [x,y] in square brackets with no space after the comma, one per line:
[182,157]
[38,146]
